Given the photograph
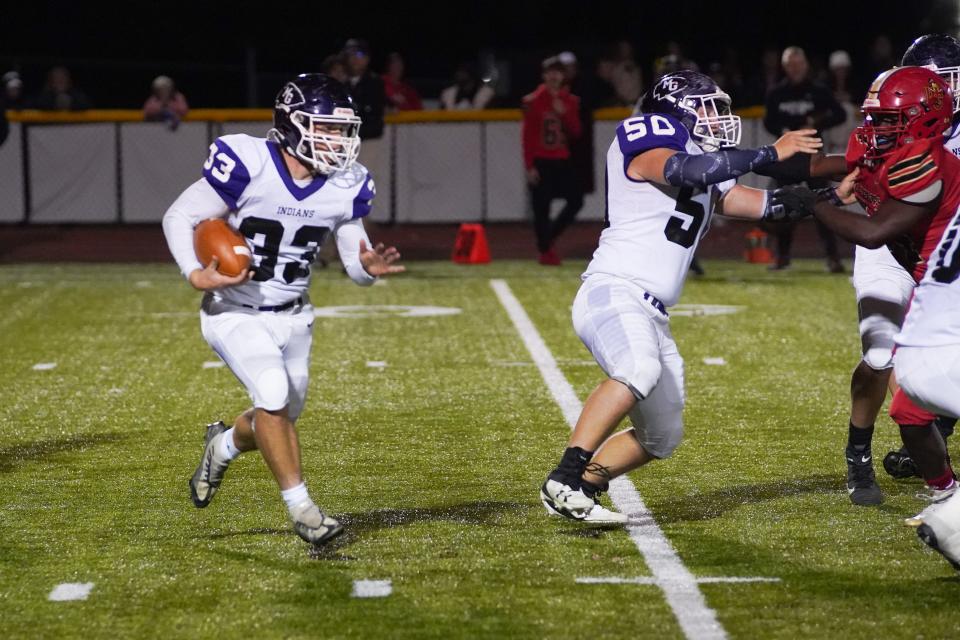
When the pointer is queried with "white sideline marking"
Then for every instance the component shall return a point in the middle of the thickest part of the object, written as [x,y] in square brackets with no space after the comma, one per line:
[213,364]
[44,366]
[653,581]
[70,591]
[679,586]
[371,589]
[718,362]
[376,364]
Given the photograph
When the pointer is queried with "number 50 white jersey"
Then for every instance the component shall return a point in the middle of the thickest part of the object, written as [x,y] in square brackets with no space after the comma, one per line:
[285,221]
[652,230]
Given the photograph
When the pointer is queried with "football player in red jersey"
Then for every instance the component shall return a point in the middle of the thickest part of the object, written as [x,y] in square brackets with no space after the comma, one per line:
[910,186]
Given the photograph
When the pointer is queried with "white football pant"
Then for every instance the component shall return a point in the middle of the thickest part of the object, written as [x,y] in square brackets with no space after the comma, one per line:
[930,376]
[883,292]
[268,351]
[631,341]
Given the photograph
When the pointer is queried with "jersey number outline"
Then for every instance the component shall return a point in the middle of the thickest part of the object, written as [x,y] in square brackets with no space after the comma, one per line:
[227,164]
[636,128]
[674,230]
[307,237]
[948,257]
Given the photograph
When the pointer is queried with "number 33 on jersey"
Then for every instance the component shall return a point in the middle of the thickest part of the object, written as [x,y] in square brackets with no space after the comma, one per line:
[652,229]
[285,221]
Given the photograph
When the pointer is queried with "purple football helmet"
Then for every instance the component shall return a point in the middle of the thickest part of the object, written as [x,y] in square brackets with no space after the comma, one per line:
[699,104]
[315,120]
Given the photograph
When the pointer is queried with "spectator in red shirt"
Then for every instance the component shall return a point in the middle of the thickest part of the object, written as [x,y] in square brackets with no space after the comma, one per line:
[400,95]
[165,103]
[551,120]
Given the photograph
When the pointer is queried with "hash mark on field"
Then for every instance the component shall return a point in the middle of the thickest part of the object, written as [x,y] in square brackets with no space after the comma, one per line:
[213,364]
[377,364]
[44,366]
[142,284]
[70,591]
[696,619]
[650,580]
[371,589]
[718,362]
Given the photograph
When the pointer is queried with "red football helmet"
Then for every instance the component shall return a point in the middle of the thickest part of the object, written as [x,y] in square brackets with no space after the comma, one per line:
[903,105]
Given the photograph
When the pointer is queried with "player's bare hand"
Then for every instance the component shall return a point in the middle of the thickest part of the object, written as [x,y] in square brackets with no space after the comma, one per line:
[533,176]
[380,260]
[846,186]
[209,279]
[794,142]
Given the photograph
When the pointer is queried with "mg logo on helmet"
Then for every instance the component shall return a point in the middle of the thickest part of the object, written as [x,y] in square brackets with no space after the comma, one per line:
[291,95]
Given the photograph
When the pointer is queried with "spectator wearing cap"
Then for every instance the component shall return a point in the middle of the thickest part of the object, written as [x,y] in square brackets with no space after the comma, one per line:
[467,91]
[165,103]
[551,120]
[841,77]
[60,94]
[400,95]
[13,91]
[366,88]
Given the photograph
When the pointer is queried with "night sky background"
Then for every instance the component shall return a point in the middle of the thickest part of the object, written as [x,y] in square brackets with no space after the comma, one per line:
[115,50]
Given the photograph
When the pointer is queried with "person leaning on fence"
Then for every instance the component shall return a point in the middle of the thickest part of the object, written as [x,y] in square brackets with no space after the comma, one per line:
[165,103]
[551,120]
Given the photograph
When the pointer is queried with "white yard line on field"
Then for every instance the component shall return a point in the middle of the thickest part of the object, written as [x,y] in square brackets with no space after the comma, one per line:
[679,585]
[371,589]
[44,366]
[70,591]
[653,581]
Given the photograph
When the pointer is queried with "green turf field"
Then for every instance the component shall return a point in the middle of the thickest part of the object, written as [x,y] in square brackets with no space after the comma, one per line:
[433,461]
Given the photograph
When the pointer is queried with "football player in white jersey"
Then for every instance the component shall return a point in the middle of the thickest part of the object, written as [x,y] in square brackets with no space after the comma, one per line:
[285,194]
[668,170]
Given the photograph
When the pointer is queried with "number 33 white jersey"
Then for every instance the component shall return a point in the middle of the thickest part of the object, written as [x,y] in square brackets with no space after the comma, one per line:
[652,230]
[285,221]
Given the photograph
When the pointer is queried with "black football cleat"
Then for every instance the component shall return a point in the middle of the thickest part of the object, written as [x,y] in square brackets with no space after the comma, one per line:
[899,465]
[861,481]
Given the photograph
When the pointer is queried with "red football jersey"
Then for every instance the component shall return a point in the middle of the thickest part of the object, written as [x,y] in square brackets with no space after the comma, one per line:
[905,174]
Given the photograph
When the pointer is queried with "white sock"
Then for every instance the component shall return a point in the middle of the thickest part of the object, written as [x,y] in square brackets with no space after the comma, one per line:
[226,449]
[295,496]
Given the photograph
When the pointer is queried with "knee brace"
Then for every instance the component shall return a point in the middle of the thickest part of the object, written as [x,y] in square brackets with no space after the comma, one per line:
[272,392]
[878,358]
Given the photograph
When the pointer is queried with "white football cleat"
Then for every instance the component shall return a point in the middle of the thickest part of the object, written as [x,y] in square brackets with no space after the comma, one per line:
[940,530]
[937,498]
[562,500]
[209,474]
[312,524]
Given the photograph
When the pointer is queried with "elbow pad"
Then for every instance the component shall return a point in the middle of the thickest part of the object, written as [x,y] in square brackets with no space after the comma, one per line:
[686,170]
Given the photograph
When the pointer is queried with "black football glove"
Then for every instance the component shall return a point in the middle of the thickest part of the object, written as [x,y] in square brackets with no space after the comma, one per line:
[789,203]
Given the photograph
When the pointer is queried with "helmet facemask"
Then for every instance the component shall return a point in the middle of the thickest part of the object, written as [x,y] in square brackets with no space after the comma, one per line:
[883,129]
[715,127]
[323,149]
[950,75]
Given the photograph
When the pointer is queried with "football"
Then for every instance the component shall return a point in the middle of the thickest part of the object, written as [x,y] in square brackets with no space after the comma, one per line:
[215,237]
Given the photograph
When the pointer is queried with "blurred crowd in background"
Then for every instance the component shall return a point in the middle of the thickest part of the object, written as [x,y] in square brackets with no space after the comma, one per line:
[609,76]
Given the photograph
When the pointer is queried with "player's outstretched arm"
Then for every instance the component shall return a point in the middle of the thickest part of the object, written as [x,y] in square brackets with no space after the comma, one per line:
[892,219]
[380,260]
[671,167]
[758,204]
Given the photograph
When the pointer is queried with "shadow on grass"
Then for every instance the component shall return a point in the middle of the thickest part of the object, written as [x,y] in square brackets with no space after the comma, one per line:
[14,456]
[713,504]
[356,525]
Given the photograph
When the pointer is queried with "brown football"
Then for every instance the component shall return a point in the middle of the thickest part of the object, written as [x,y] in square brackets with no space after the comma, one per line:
[215,237]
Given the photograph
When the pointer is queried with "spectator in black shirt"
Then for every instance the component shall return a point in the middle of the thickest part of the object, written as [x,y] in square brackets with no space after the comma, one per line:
[366,88]
[798,103]
[59,94]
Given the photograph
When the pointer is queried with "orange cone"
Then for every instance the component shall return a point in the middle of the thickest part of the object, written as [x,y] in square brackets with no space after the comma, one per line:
[757,250]
[471,245]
